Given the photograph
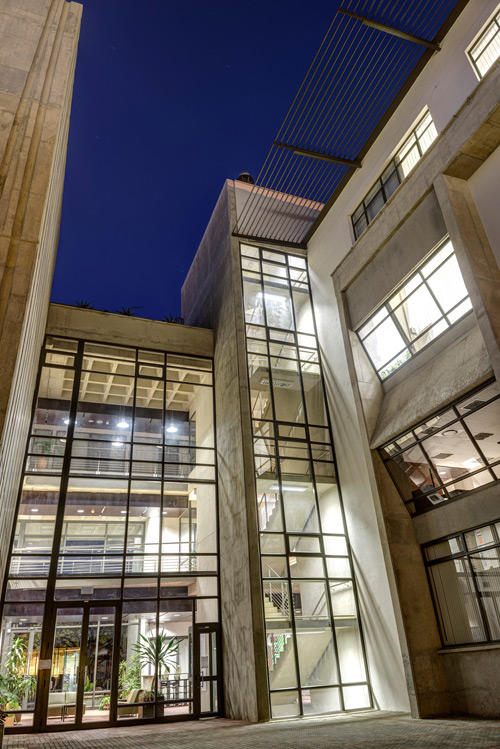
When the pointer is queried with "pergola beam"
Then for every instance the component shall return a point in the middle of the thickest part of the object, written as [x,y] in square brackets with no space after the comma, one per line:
[317,155]
[391,30]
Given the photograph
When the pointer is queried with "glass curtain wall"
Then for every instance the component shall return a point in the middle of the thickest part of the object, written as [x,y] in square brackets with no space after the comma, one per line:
[115,537]
[315,653]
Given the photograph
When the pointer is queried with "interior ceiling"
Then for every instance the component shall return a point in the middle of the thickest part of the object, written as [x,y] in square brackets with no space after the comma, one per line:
[357,77]
[112,386]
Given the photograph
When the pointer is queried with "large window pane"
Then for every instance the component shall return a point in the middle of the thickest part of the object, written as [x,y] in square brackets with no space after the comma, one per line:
[457,602]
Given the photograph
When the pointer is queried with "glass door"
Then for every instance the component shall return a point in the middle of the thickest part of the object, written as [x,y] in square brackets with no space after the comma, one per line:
[80,685]
[207,670]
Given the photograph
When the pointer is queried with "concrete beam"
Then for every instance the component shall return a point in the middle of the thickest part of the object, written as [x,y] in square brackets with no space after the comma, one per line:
[475,258]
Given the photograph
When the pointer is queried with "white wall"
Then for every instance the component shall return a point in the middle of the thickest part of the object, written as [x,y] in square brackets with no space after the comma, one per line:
[444,85]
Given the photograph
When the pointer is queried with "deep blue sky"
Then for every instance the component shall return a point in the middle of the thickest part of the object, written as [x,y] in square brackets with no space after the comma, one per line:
[170,98]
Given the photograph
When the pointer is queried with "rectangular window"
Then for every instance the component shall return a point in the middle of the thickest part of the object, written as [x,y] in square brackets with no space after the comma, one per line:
[118,504]
[486,49]
[398,169]
[449,454]
[432,299]
[464,575]
[315,654]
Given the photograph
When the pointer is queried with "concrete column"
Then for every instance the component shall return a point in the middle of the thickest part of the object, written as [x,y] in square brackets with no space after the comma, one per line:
[38,42]
[475,258]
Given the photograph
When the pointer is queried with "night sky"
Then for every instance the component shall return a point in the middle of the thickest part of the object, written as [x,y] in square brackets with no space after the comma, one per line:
[170,99]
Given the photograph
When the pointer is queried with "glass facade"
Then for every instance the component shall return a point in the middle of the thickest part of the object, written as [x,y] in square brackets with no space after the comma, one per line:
[423,307]
[451,453]
[408,156]
[315,652]
[114,561]
[464,574]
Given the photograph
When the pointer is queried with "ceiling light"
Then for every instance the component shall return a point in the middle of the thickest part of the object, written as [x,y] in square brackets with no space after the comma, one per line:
[99,421]
[34,509]
[80,511]
[290,488]
[66,421]
[171,429]
[472,463]
[123,512]
[117,443]
[176,614]
[104,617]
[448,432]
[122,424]
[442,473]
[164,512]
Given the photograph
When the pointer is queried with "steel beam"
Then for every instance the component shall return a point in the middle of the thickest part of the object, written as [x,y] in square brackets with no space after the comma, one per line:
[391,30]
[317,155]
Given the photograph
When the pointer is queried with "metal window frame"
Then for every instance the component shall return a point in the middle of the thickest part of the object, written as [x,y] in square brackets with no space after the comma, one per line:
[465,554]
[293,336]
[418,439]
[495,21]
[396,165]
[50,603]
[391,314]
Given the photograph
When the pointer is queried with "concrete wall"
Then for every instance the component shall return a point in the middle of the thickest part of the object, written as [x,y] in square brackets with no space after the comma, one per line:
[443,86]
[485,188]
[211,297]
[93,325]
[38,45]
[450,192]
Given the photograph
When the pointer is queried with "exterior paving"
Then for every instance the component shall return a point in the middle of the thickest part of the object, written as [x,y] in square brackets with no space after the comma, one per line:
[397,731]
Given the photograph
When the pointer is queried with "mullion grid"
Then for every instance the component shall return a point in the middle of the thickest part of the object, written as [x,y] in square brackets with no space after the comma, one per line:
[410,344]
[50,604]
[474,60]
[285,534]
[466,555]
[395,163]
[418,440]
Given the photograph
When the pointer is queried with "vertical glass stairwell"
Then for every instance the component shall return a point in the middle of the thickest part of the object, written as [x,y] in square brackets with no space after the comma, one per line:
[315,652]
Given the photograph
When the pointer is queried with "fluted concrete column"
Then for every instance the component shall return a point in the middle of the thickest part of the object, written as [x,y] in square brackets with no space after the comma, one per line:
[38,46]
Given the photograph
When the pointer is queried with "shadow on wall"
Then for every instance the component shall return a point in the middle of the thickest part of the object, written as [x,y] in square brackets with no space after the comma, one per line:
[384,655]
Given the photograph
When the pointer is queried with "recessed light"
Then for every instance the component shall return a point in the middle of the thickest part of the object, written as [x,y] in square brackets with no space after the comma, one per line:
[165,512]
[34,509]
[80,511]
[122,424]
[123,512]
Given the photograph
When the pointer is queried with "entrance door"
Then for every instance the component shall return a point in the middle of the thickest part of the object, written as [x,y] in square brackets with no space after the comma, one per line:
[206,670]
[81,670]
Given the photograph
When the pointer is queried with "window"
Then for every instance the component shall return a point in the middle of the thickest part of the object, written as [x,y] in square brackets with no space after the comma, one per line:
[432,299]
[315,653]
[400,166]
[118,503]
[464,575]
[486,49]
[453,452]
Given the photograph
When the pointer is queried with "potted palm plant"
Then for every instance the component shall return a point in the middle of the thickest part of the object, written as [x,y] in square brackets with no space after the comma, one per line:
[158,651]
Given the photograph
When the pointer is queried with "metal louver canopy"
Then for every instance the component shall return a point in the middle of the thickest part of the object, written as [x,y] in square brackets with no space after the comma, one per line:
[370,55]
